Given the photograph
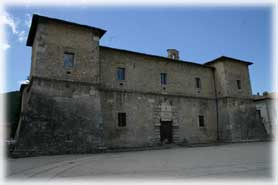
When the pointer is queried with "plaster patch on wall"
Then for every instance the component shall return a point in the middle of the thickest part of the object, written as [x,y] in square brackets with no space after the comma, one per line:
[92,92]
[110,101]
[95,38]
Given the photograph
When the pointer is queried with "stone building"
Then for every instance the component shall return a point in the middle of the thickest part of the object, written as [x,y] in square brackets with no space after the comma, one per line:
[84,97]
[266,110]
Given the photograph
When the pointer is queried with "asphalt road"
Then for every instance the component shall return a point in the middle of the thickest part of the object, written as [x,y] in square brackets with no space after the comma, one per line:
[231,161]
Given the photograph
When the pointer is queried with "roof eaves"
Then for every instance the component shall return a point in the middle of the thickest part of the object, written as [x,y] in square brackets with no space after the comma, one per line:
[38,18]
[156,56]
[227,58]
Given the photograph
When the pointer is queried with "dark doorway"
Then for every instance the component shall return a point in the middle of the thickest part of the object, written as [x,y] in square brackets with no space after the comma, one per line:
[166,134]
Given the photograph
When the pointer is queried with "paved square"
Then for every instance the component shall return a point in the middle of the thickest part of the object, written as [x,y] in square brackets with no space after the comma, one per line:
[244,161]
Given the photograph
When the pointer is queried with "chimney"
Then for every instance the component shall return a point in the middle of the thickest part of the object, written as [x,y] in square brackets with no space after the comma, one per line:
[265,93]
[173,54]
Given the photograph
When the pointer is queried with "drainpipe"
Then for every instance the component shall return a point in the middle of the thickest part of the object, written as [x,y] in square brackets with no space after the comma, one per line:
[216,101]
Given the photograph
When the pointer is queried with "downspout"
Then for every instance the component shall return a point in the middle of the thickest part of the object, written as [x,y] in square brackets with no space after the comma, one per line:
[101,146]
[216,102]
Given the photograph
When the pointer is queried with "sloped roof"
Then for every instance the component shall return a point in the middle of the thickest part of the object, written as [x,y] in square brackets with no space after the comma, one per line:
[223,58]
[38,18]
[159,57]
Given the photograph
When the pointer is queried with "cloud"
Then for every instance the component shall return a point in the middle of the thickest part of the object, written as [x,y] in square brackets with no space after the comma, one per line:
[23,82]
[6,19]
[28,20]
[4,46]
[22,36]
[11,22]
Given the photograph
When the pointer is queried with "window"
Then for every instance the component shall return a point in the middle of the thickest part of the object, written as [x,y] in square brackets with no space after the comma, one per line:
[120,73]
[68,60]
[163,78]
[201,121]
[121,119]
[238,84]
[198,83]
[259,113]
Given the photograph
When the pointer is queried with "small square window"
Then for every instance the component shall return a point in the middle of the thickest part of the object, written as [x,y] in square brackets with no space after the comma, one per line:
[238,84]
[120,73]
[163,78]
[201,121]
[198,83]
[68,60]
[122,119]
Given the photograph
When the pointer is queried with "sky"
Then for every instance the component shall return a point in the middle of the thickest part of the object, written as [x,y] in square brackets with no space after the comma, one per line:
[200,34]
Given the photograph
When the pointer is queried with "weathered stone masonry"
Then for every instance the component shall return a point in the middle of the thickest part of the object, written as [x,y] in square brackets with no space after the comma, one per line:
[76,110]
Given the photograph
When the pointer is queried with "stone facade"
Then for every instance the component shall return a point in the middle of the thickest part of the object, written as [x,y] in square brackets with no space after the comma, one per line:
[76,110]
[266,110]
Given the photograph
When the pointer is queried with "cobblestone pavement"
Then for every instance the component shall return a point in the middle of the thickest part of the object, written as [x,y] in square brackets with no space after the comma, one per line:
[232,161]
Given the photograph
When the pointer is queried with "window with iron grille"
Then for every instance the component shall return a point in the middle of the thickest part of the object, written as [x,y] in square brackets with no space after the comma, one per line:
[122,119]
[120,73]
[201,121]
[198,83]
[68,60]
[238,84]
[163,78]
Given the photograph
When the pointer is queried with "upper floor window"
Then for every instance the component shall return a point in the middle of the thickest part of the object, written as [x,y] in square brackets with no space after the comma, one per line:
[163,78]
[121,119]
[201,121]
[68,60]
[238,84]
[120,73]
[198,83]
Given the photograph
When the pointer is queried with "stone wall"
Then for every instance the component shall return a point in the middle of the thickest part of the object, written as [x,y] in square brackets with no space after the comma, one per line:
[141,94]
[143,74]
[268,113]
[75,110]
[143,112]
[238,121]
[226,75]
[61,117]
[237,114]
[50,43]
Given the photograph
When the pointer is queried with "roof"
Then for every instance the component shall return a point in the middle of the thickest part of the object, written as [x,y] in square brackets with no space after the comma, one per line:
[22,87]
[100,32]
[255,98]
[228,58]
[272,95]
[159,57]
[38,18]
